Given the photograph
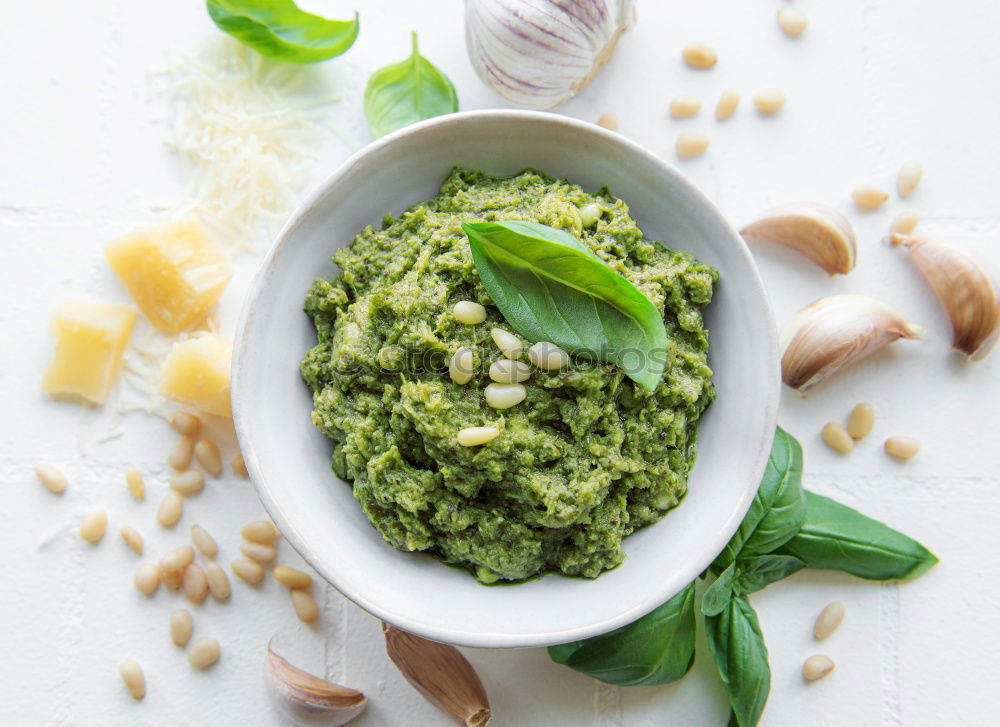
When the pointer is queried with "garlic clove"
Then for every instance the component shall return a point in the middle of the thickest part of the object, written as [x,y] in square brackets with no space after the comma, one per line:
[306,699]
[538,55]
[965,289]
[441,674]
[836,331]
[822,234]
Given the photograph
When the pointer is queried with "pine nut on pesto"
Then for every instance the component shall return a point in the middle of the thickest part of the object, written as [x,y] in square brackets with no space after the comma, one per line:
[587,458]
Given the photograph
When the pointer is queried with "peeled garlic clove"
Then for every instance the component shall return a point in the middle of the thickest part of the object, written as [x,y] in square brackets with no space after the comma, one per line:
[822,234]
[964,288]
[306,699]
[538,55]
[441,674]
[833,332]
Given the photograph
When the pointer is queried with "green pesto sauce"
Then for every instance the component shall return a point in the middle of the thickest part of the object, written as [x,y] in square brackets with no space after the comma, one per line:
[588,457]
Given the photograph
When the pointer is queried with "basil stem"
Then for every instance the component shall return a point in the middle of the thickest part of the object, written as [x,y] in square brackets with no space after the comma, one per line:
[837,537]
[737,645]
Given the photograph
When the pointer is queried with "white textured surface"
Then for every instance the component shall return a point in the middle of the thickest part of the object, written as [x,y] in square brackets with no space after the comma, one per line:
[873,83]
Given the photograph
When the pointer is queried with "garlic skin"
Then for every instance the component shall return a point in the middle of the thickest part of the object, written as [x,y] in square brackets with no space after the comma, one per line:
[822,234]
[536,53]
[836,331]
[305,699]
[964,288]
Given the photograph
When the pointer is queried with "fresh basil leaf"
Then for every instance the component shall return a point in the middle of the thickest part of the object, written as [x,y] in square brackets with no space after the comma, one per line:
[407,92]
[550,287]
[837,537]
[279,29]
[656,649]
[737,645]
[718,595]
[758,571]
[778,509]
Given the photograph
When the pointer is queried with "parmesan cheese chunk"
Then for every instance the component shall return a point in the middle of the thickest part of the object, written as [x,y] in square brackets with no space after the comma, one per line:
[90,340]
[196,373]
[173,271]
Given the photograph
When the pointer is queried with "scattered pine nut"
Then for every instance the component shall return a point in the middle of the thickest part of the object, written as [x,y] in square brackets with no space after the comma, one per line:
[259,551]
[180,456]
[131,537]
[248,571]
[178,559]
[769,101]
[504,396]
[475,436]
[172,579]
[793,22]
[837,438]
[700,56]
[195,583]
[908,179]
[185,423]
[902,447]
[828,620]
[147,578]
[135,680]
[218,581]
[52,477]
[505,371]
[304,605]
[469,312]
[181,626]
[133,481]
[291,577]
[170,510]
[589,214]
[729,101]
[683,107]
[868,197]
[609,121]
[188,482]
[817,667]
[904,223]
[260,531]
[509,344]
[861,421]
[460,366]
[204,542]
[689,146]
[204,652]
[547,356]
[206,452]
[93,527]
[239,466]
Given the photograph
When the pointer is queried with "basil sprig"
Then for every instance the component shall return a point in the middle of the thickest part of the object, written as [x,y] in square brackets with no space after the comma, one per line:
[551,287]
[786,529]
[407,92]
[279,29]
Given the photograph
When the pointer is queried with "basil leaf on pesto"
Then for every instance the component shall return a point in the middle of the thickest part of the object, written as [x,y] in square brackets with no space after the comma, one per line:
[279,29]
[551,287]
[407,92]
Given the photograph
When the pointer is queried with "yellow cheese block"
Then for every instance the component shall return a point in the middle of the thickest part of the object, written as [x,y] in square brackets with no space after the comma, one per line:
[196,373]
[173,271]
[90,340]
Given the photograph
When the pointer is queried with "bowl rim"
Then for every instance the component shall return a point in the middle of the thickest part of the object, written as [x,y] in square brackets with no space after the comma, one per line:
[275,511]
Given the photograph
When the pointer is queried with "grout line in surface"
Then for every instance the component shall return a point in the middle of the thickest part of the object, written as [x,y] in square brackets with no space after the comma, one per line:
[889,627]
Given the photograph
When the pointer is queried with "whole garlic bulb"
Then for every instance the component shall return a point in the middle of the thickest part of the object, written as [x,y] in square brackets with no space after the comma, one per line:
[539,53]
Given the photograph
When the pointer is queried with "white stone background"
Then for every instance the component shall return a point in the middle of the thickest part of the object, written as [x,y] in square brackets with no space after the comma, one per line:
[872,84]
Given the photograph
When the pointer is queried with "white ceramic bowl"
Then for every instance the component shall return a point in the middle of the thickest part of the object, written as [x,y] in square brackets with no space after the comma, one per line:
[289,460]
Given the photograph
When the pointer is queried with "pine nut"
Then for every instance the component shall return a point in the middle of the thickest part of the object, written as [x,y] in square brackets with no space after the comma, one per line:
[475,436]
[170,509]
[172,579]
[909,177]
[178,559]
[504,396]
[207,453]
[837,438]
[135,680]
[131,537]
[304,605]
[147,578]
[689,146]
[239,466]
[861,421]
[181,626]
[828,620]
[50,476]
[547,356]
[248,571]
[195,583]
[509,344]
[188,482]
[259,551]
[769,101]
[683,107]
[291,577]
[589,214]
[469,312]
[700,56]
[868,197]
[817,667]
[609,121]
[218,581]
[260,531]
[204,652]
[505,371]
[133,481]
[204,542]
[902,447]
[729,101]
[904,223]
[180,456]
[793,22]
[460,366]
[185,423]
[93,526]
